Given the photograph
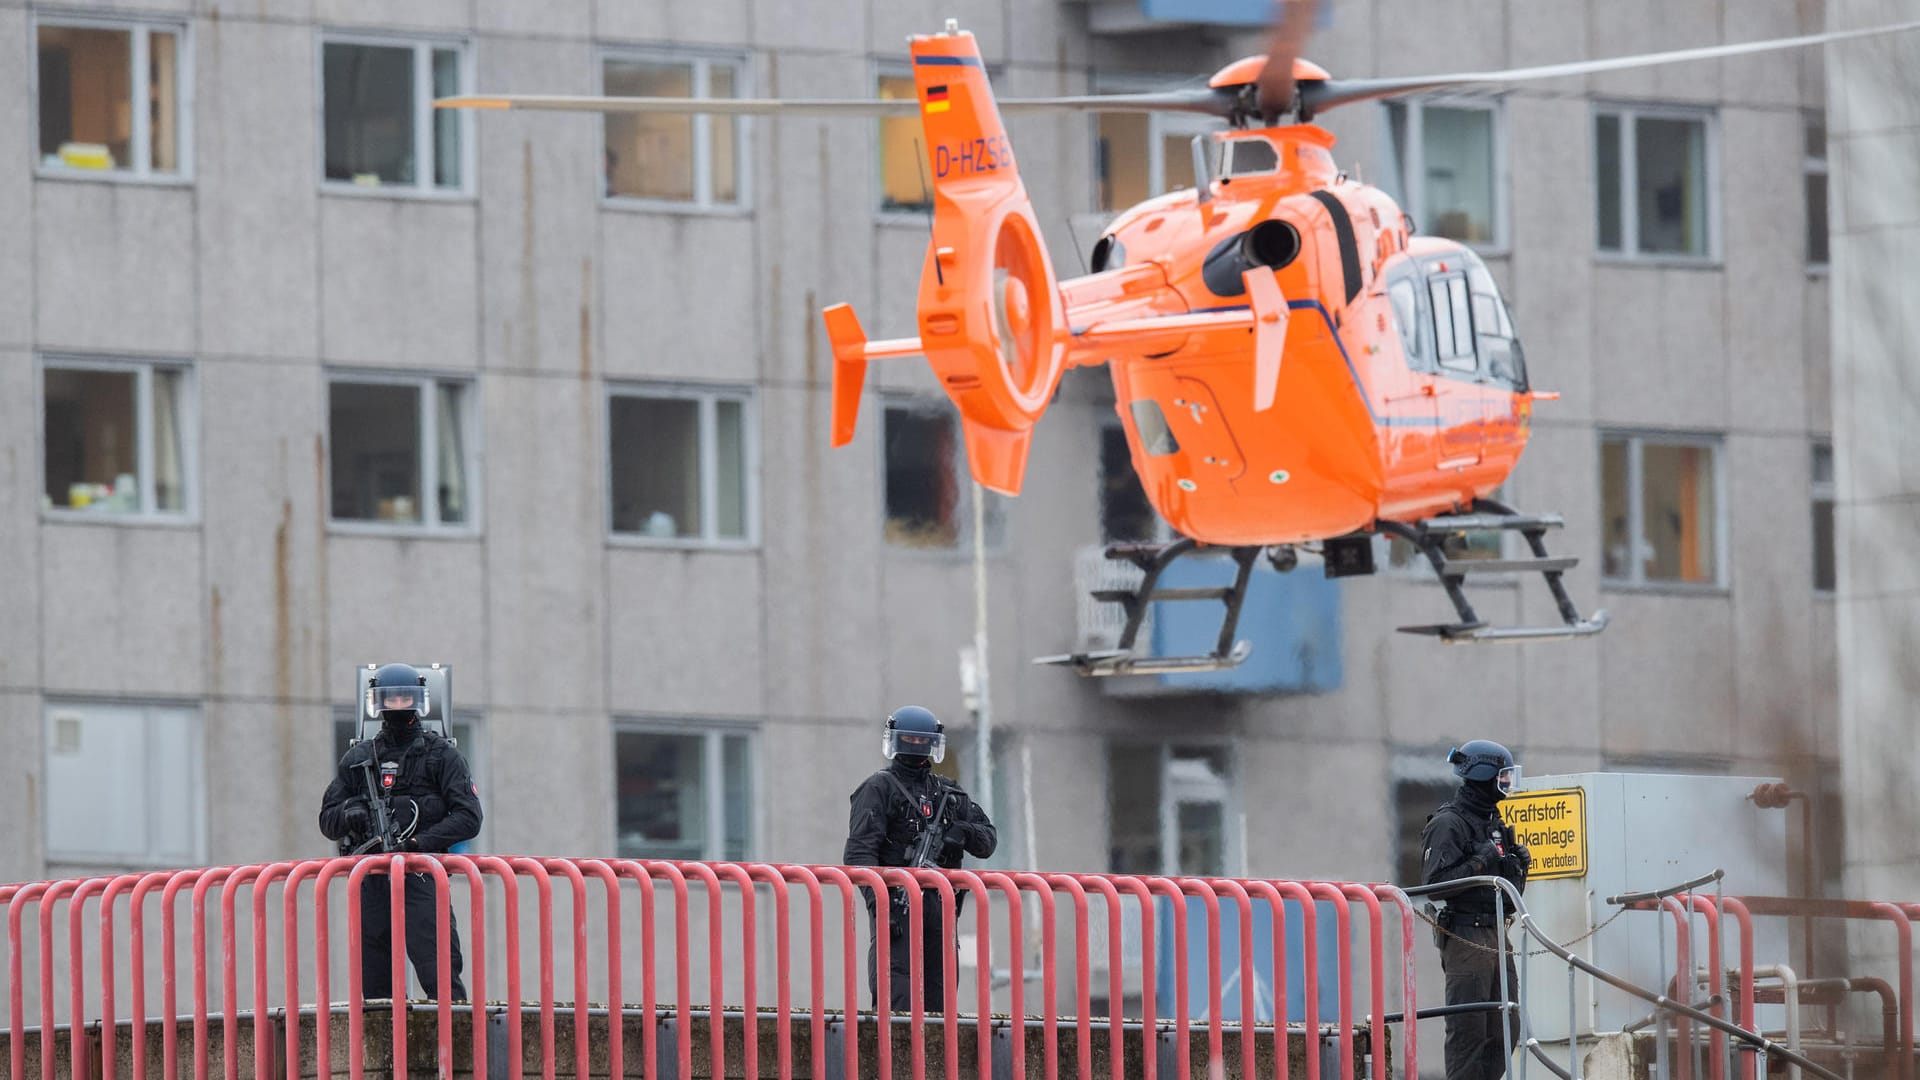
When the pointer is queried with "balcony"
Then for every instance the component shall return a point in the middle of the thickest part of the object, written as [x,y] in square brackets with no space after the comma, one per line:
[1292,620]
[1135,16]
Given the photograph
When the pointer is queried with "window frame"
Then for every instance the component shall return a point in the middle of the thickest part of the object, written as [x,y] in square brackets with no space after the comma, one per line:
[703,201]
[1160,126]
[1108,424]
[1629,116]
[140,30]
[965,491]
[1412,162]
[1824,492]
[428,419]
[1637,439]
[188,423]
[423,46]
[195,786]
[1233,848]
[708,397]
[713,765]
[885,214]
[1810,167]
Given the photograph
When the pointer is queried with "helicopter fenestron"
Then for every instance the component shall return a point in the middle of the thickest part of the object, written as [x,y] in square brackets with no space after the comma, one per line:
[1295,367]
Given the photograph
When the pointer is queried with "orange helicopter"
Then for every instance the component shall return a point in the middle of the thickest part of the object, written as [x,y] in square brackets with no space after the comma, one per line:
[1293,364]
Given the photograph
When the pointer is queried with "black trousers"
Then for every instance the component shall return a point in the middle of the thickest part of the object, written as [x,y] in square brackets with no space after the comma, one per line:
[936,949]
[1475,1049]
[376,933]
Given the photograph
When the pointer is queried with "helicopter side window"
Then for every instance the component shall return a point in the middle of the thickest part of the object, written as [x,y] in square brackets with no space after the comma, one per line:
[1250,155]
[1406,317]
[1452,322]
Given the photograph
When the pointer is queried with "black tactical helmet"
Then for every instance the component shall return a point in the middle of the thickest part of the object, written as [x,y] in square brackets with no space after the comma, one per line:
[914,731]
[397,688]
[1483,759]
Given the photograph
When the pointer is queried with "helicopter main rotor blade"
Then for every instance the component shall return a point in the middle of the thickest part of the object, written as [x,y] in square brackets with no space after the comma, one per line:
[1205,101]
[721,106]
[1318,97]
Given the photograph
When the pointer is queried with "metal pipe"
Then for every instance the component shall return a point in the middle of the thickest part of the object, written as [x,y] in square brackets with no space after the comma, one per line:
[1790,991]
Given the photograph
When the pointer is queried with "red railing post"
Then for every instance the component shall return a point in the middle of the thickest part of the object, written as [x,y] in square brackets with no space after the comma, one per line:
[1409,986]
[749,950]
[477,936]
[683,976]
[615,947]
[543,885]
[1377,974]
[1082,971]
[510,912]
[783,1015]
[1249,1066]
[1343,953]
[843,880]
[817,958]
[578,882]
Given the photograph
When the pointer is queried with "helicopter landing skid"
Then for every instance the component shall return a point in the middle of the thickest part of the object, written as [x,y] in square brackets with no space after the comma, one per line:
[1154,559]
[1489,516]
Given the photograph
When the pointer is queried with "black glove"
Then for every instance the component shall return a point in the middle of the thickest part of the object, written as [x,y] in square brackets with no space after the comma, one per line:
[959,808]
[1519,862]
[897,899]
[411,843]
[357,817]
[1486,858]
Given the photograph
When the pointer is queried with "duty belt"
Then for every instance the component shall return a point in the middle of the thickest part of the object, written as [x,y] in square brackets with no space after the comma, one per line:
[1450,918]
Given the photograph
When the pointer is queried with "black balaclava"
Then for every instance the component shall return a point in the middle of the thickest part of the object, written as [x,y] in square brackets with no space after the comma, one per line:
[913,764]
[1480,796]
[399,725]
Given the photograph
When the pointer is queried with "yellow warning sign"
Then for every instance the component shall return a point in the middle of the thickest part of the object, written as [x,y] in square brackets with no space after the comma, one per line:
[1553,825]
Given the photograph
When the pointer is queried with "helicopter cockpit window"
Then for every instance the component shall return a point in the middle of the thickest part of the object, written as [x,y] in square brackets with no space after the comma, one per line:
[1156,438]
[1250,155]
[1452,322]
[1500,354]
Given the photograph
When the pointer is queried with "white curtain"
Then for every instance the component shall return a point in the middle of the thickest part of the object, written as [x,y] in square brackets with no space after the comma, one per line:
[169,485]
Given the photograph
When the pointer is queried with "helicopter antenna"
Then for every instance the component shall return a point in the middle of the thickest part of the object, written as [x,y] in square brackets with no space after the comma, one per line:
[1085,268]
[926,193]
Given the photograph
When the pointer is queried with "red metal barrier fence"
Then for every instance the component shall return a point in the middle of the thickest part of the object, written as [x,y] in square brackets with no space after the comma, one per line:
[76,997]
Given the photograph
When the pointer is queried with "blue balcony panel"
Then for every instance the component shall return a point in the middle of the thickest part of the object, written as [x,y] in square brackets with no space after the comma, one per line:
[1292,620]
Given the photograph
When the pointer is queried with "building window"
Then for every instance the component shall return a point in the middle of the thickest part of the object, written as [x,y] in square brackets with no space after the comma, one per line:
[1660,499]
[1654,168]
[1814,166]
[1414,800]
[682,794]
[116,438]
[1823,492]
[1125,513]
[1140,155]
[905,179]
[665,157]
[1446,160]
[125,784]
[112,98]
[382,130]
[1171,810]
[465,731]
[929,491]
[679,465]
[401,449]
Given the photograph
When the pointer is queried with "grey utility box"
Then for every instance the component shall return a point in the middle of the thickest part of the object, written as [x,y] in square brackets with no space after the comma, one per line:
[1596,835]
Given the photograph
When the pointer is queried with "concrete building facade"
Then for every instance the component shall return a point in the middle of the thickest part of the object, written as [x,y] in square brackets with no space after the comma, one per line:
[247,291]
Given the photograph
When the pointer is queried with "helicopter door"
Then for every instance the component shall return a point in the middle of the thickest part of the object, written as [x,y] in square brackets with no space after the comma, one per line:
[1196,420]
[1462,419]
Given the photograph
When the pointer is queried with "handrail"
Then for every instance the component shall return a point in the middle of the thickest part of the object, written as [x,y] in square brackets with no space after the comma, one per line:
[1660,1001]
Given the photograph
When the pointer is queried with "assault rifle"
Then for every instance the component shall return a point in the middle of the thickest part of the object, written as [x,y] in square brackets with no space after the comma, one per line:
[925,852]
[388,833]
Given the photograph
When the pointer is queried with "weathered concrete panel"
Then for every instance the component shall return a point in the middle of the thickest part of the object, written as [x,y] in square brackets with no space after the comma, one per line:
[113,266]
[399,282]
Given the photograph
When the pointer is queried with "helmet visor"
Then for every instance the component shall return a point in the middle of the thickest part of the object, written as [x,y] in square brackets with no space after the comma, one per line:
[396,699]
[926,744]
[1507,779]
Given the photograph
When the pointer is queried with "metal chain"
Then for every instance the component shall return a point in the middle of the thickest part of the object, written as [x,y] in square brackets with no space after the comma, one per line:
[1537,952]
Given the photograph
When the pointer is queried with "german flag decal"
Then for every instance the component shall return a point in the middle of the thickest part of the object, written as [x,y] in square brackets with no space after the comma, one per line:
[937,99]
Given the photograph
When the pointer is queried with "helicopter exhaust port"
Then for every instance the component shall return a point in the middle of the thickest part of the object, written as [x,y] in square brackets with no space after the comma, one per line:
[1272,244]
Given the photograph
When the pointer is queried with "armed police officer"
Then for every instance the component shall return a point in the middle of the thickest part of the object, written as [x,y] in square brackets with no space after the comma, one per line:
[407,789]
[903,811]
[1466,838]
